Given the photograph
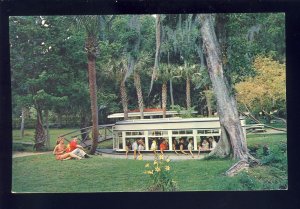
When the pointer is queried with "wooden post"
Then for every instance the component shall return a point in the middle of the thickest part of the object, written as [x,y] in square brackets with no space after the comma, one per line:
[170,140]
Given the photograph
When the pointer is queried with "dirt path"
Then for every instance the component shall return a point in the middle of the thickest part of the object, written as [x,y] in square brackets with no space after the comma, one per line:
[23,154]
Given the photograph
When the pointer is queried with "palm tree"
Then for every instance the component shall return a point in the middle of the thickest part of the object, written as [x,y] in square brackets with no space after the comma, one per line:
[117,69]
[91,25]
[164,74]
[188,72]
[141,65]
[133,59]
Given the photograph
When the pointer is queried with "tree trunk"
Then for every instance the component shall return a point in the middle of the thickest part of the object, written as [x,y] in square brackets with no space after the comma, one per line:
[124,99]
[208,97]
[91,44]
[39,137]
[22,122]
[188,93]
[83,123]
[164,98]
[231,128]
[59,119]
[137,83]
[47,129]
[157,51]
[171,92]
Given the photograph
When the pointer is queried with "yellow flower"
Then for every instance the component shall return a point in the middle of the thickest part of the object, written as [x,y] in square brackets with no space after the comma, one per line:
[161,157]
[155,162]
[168,160]
[147,165]
[146,172]
[140,157]
[150,172]
[157,169]
[167,168]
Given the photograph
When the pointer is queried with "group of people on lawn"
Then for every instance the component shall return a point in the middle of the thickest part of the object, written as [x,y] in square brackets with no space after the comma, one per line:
[179,147]
[72,150]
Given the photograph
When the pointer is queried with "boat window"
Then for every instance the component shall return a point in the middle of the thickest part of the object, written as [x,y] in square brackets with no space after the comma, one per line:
[175,132]
[215,131]
[182,132]
[201,131]
[189,131]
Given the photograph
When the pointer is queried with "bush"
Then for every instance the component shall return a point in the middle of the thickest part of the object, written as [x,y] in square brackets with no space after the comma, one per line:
[277,156]
[18,147]
[161,175]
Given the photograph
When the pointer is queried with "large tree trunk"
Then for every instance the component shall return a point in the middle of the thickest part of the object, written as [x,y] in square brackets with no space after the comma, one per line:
[22,122]
[164,98]
[124,99]
[40,136]
[91,45]
[47,129]
[137,83]
[188,93]
[231,128]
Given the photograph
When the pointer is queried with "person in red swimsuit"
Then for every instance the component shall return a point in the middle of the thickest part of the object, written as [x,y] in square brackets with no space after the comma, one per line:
[76,149]
[59,151]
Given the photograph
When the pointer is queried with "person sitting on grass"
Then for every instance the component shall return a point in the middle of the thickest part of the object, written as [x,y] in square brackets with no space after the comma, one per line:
[175,146]
[191,147]
[127,147]
[76,149]
[163,146]
[181,146]
[153,146]
[141,147]
[59,151]
[134,147]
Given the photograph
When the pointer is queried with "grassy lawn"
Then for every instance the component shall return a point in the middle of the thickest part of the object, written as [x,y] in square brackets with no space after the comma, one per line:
[42,173]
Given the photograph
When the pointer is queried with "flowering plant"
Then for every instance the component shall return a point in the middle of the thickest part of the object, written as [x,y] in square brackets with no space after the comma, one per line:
[160,174]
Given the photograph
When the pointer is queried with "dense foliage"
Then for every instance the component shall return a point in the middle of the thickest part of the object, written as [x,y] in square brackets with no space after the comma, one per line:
[49,67]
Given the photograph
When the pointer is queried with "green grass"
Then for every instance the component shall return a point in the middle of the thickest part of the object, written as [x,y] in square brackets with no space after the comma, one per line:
[42,173]
[265,139]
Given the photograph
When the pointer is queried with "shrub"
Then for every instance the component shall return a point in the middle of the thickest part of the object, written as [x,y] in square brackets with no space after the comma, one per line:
[161,175]
[18,147]
[276,157]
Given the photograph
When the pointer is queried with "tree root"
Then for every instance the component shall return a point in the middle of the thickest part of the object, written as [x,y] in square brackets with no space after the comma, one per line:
[237,167]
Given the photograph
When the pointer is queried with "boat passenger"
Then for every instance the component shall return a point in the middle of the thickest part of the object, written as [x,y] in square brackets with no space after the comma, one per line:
[175,145]
[127,147]
[191,147]
[212,143]
[181,146]
[205,144]
[153,146]
[163,146]
[141,146]
[134,147]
